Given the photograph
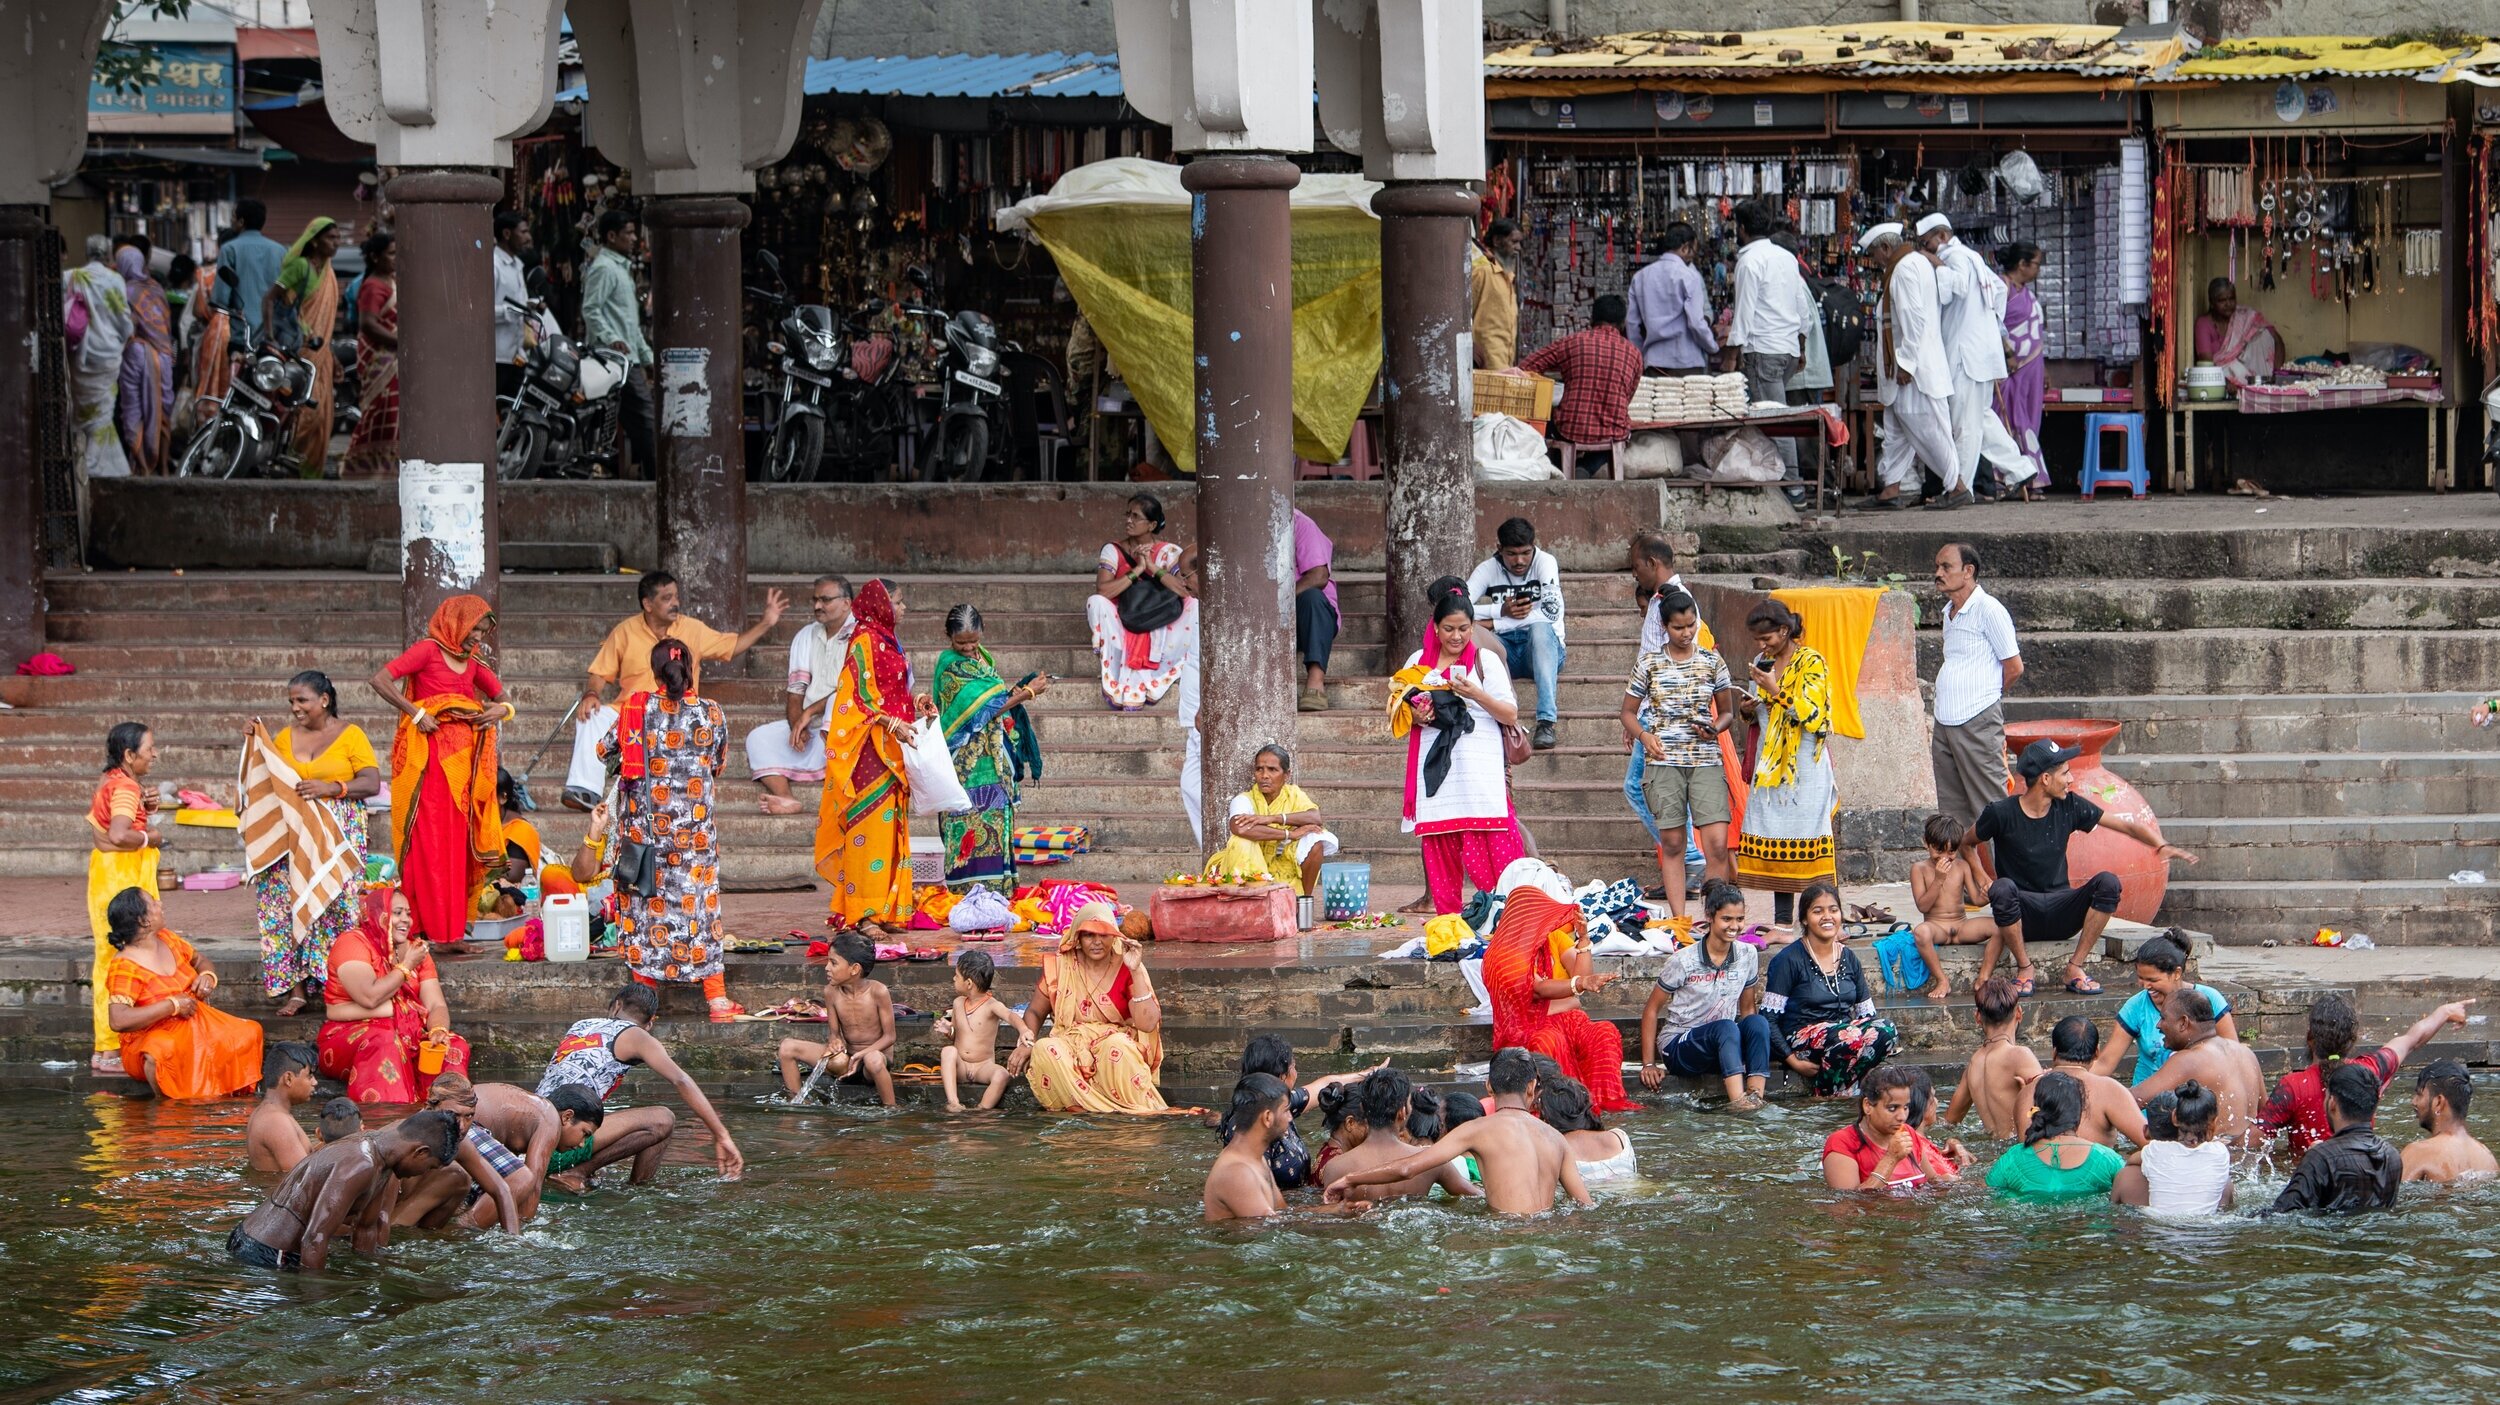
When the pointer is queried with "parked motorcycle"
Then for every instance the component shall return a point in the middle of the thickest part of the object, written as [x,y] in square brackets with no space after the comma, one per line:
[963,415]
[565,408]
[810,357]
[249,429]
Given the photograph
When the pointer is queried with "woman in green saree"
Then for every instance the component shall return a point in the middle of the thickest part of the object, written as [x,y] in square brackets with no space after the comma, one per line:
[986,731]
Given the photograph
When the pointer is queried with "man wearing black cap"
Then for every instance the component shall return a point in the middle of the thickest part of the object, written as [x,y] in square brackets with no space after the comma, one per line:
[2033,898]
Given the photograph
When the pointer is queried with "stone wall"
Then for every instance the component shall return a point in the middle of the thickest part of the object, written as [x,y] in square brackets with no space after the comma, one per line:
[877,28]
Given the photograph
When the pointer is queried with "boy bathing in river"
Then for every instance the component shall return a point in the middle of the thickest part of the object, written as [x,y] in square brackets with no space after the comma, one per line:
[970,1027]
[1998,1078]
[340,1119]
[272,1139]
[859,1015]
[2441,1093]
[1239,1186]
[345,1187]
[1523,1160]
[1945,884]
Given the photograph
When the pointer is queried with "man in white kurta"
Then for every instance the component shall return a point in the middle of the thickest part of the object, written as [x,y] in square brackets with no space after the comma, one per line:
[1916,382]
[1972,298]
[793,748]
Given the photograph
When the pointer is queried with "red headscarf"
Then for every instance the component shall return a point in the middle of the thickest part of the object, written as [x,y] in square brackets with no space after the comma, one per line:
[455,620]
[872,618]
[374,921]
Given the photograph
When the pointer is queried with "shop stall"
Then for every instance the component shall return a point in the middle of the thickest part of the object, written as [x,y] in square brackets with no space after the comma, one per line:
[2481,261]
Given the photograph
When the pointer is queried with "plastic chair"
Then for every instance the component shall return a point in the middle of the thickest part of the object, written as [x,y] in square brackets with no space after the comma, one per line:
[2133,477]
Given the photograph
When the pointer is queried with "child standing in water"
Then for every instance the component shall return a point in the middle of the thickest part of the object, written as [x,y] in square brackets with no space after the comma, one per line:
[2182,1170]
[970,1027]
[272,1139]
[859,1023]
[1997,1080]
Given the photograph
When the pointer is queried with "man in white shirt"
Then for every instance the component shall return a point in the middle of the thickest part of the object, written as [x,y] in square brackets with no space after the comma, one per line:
[1519,589]
[793,749]
[1773,308]
[1914,380]
[1981,661]
[512,240]
[1973,301]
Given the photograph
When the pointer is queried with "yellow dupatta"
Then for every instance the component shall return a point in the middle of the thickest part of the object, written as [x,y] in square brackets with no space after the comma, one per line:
[1800,710]
[1248,858]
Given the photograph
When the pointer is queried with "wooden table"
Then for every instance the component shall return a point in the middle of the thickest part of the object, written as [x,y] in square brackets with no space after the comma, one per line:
[1798,423]
[2179,473]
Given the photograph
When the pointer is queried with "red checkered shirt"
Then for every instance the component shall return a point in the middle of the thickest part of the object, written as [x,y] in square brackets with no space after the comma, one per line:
[1601,369]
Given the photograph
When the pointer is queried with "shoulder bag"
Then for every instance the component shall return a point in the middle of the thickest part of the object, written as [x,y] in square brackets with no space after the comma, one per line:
[1148,604]
[636,868]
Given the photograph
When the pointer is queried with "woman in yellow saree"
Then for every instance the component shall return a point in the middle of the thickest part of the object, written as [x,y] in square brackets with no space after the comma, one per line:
[1105,1048]
[863,824]
[1275,827]
[1786,839]
[124,856]
[308,290]
[446,826]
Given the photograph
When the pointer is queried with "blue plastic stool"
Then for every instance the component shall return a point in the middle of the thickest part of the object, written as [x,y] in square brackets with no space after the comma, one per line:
[2095,477]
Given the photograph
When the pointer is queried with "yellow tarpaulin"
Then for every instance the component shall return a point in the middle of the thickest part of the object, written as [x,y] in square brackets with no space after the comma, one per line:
[2304,56]
[2006,57]
[1119,231]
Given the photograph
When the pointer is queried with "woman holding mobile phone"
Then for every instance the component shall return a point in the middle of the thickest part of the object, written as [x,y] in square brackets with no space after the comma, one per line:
[1786,841]
[986,733]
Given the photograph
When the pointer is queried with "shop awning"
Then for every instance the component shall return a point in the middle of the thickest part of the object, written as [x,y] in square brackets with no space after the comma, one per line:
[178,156]
[1824,58]
[251,45]
[1048,75]
[2328,56]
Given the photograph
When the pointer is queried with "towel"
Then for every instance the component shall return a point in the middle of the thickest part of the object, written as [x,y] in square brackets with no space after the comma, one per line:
[1839,619]
[279,824]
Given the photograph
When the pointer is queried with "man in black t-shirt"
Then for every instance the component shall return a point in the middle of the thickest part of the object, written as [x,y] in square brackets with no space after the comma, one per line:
[2033,898]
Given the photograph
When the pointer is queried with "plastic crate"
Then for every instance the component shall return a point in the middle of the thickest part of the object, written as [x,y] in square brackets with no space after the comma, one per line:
[1520,397]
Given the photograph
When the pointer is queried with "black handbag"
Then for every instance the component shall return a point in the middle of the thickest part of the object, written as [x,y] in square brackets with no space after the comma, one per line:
[1148,604]
[636,871]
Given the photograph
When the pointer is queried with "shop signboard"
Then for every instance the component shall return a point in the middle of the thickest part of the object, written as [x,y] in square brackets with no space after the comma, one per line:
[184,88]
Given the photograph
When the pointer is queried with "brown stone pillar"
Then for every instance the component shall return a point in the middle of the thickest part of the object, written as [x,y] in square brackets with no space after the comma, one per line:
[447,498]
[1241,292]
[697,314]
[1431,530]
[21,488]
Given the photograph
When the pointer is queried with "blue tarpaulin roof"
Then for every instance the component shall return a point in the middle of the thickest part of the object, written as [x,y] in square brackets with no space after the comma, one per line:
[1049,75]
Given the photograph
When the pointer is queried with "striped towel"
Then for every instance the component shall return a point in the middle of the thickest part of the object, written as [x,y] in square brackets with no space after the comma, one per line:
[279,824]
[1049,843]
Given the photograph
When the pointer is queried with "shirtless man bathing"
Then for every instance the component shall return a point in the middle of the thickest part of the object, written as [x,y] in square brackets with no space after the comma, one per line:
[1524,1161]
[2441,1093]
[2196,1051]
[345,1187]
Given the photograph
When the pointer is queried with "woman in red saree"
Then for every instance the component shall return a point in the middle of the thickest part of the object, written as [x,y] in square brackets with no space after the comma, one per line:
[446,826]
[863,824]
[383,1001]
[1536,968]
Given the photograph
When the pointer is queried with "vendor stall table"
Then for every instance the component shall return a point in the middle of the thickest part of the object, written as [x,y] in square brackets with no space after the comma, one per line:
[2180,468]
[1800,423]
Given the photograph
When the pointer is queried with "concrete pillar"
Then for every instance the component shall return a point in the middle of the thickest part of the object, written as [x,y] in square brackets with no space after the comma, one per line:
[696,321]
[21,408]
[447,487]
[1424,228]
[1241,289]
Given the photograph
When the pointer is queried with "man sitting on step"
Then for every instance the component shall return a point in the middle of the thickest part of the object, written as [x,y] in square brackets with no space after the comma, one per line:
[624,663]
[2033,899]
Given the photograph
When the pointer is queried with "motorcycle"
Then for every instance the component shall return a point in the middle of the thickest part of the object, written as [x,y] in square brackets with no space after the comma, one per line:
[2491,434]
[964,432]
[810,356]
[250,427]
[565,407]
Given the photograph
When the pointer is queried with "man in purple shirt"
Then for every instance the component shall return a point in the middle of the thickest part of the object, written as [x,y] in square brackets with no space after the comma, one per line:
[1669,319]
[1315,612]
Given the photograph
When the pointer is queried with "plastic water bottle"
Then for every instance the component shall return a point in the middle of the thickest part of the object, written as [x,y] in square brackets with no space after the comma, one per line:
[565,917]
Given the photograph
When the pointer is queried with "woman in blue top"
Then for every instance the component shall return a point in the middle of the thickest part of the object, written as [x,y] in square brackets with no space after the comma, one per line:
[2161,971]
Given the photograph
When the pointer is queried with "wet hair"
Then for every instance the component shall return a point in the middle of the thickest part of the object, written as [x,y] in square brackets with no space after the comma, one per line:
[1607,310]
[1457,1110]
[1339,1103]
[2194,1110]
[857,950]
[1679,237]
[1511,1071]
[1271,1054]
[1819,888]
[611,222]
[2192,1003]
[1887,1078]
[1753,220]
[250,214]
[1673,602]
[1515,532]
[1998,1000]
[1922,1095]
[122,742]
[672,667]
[1564,1106]
[2447,1080]
[576,1099]
[341,1119]
[1385,1092]
[2075,1039]
[507,221]
[1549,1071]
[976,967]
[1716,895]
[1253,1096]
[438,1132]
[450,1087]
[2161,1116]
[651,585]
[285,1056]
[1943,831]
[640,1002]
[2016,254]
[320,685]
[2353,1089]
[376,245]
[2333,1027]
[2165,953]
[1772,614]
[962,618]
[1150,505]
[1425,1116]
[2056,1107]
[123,915]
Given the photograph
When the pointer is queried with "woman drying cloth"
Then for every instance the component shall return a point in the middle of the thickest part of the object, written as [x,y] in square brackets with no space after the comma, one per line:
[863,824]
[446,827]
[1536,968]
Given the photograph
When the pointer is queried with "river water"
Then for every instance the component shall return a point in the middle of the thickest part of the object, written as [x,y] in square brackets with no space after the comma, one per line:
[910,1257]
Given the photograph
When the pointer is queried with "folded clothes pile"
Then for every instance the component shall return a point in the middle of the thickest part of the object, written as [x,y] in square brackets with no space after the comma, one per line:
[1671,399]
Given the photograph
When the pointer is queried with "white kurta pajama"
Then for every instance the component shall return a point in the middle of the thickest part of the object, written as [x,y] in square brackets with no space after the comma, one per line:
[1917,421]
[1972,299]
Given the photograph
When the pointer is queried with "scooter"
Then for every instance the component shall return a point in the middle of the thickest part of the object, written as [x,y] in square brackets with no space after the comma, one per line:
[809,355]
[565,406]
[250,426]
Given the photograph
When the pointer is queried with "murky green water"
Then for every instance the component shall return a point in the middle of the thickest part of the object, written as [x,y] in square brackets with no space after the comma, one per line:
[909,1257]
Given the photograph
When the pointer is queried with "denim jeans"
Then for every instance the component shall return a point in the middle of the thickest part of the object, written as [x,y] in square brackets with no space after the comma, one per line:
[1634,772]
[1535,652]
[1766,378]
[1722,1049]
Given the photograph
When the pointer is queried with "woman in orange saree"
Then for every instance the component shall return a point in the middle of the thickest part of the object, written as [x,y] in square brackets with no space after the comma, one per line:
[1105,1046]
[1536,968]
[308,290]
[863,824]
[157,997]
[446,827]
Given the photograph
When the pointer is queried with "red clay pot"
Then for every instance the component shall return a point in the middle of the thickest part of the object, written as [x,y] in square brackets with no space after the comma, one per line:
[2146,877]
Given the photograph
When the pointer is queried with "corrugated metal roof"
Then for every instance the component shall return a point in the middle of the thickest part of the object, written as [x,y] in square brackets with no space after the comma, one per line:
[1871,50]
[2327,56]
[1048,75]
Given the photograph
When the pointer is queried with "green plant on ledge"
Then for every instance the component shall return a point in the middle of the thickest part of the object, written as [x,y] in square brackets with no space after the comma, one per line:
[1859,567]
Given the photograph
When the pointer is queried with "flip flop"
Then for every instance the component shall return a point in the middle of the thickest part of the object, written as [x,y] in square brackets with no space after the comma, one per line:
[2024,986]
[2083,985]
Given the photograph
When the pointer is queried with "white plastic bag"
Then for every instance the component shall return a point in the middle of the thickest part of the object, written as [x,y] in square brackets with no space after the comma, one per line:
[1741,456]
[931,772]
[2021,175]
[1653,454]
[1509,450]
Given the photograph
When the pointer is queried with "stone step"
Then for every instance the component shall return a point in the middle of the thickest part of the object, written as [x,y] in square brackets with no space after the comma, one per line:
[2102,604]
[2209,661]
[2393,912]
[2355,847]
[2270,785]
[2322,723]
[2151,550]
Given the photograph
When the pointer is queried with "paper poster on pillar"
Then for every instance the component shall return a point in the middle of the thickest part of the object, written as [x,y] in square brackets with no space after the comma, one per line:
[686,392]
[444,504]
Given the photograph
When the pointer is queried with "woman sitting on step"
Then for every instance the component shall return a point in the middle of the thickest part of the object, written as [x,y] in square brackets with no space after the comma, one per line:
[383,1003]
[1105,1046]
[1275,826]
[1822,1008]
[156,994]
[1141,615]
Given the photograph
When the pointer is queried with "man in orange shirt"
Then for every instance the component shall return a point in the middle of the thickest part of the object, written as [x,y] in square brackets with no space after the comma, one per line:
[624,662]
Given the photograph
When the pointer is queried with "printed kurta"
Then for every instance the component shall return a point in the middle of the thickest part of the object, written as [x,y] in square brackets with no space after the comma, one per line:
[674,935]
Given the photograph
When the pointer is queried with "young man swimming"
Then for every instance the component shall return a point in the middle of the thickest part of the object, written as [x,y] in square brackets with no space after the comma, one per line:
[344,1187]
[2441,1093]
[1524,1161]
[273,1140]
[1239,1185]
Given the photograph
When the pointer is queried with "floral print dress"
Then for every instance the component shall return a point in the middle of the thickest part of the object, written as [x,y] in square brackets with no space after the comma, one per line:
[674,935]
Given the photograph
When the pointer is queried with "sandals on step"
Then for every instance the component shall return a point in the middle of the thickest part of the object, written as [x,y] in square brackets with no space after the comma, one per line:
[2083,985]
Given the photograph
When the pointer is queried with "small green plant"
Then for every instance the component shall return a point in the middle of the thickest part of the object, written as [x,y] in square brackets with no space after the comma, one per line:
[1859,567]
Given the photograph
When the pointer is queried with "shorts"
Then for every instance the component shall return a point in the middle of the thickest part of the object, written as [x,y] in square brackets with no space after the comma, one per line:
[2052,917]
[496,1153]
[251,1253]
[1673,791]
